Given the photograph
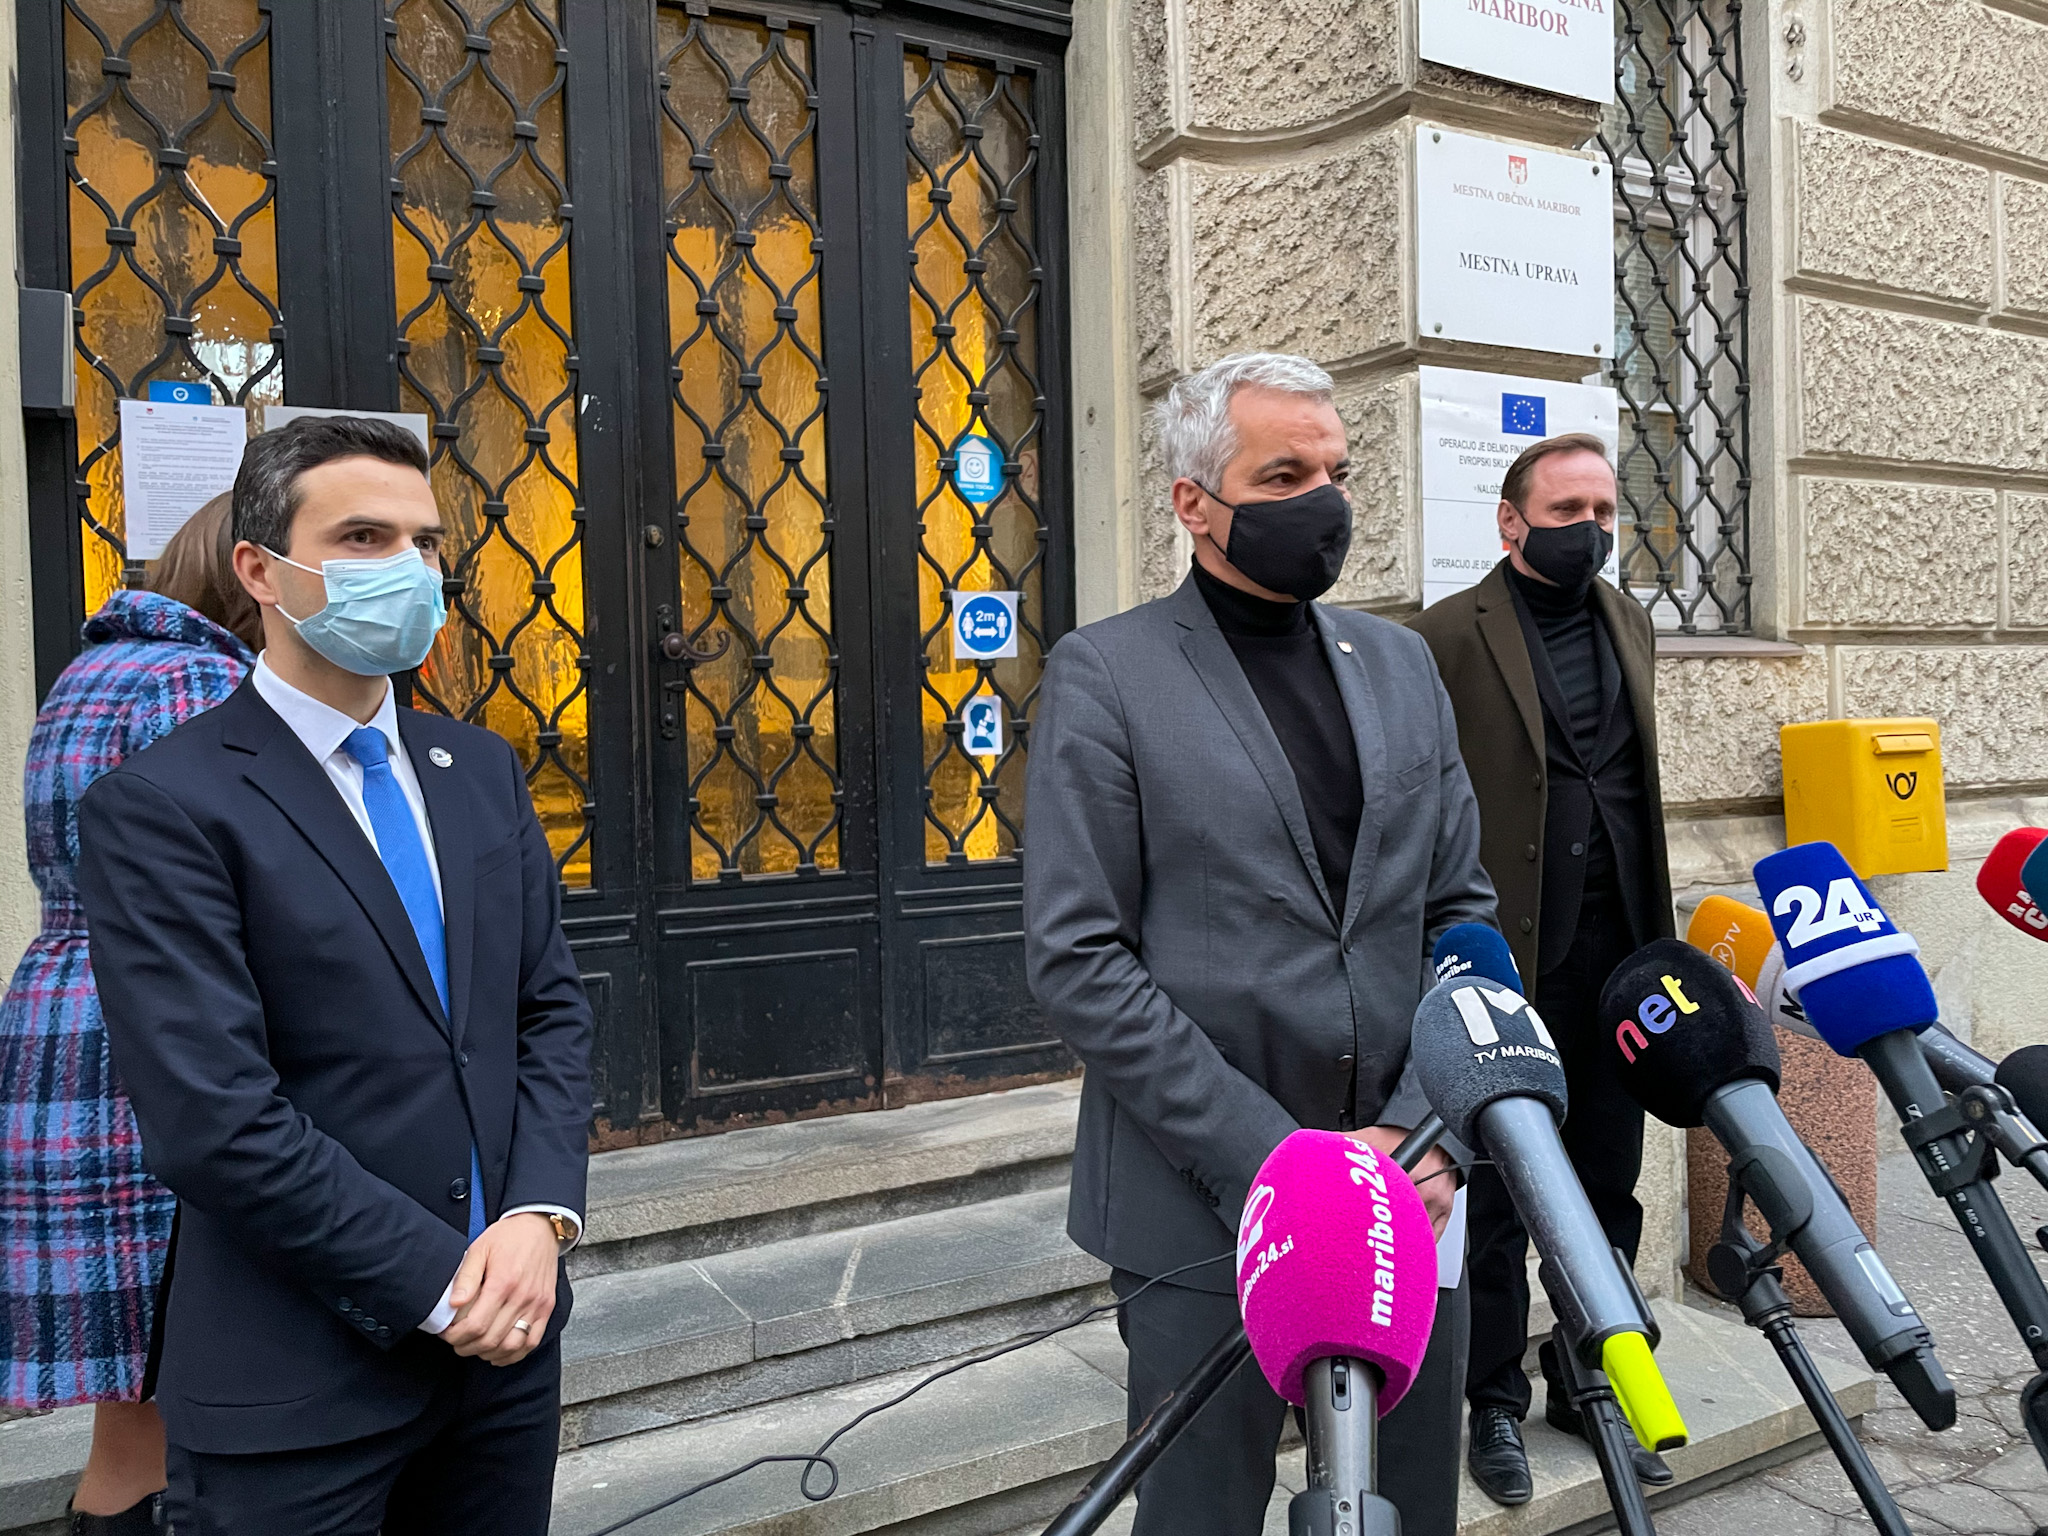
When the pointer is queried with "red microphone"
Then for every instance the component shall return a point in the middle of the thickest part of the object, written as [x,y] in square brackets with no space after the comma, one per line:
[2002,883]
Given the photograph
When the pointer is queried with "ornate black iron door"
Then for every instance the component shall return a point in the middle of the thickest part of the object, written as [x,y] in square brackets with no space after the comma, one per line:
[738,331]
[854,221]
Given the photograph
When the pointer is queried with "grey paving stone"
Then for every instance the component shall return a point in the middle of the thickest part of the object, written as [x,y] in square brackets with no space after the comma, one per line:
[1965,1507]
[648,1325]
[639,1328]
[1025,1418]
[742,1174]
[817,1290]
[40,1459]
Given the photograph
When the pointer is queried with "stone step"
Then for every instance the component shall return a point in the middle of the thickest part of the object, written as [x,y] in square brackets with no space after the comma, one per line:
[657,1346]
[709,1195]
[1001,1446]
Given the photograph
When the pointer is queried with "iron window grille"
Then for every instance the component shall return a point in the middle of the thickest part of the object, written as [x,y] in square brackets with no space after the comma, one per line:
[1674,136]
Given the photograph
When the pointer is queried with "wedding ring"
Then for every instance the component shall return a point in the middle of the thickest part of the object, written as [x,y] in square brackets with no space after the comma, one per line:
[522,1325]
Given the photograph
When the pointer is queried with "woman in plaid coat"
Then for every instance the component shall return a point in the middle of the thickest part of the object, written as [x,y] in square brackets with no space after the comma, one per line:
[84,1230]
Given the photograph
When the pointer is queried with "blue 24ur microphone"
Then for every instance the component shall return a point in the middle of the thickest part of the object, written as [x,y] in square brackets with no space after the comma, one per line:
[1859,980]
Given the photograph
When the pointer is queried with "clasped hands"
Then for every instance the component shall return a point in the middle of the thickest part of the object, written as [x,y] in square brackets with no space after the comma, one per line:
[1437,1194]
[507,1277]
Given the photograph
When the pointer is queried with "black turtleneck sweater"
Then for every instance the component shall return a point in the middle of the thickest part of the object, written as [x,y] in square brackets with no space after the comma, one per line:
[1284,661]
[1596,826]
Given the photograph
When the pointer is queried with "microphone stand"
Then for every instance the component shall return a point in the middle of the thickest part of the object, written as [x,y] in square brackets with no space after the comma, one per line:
[1607,1432]
[1119,1475]
[1743,1268]
[1959,1167]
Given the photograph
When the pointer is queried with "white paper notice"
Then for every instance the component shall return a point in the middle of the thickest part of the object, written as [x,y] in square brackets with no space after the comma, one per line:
[1514,245]
[174,460]
[1450,1248]
[1474,425]
[1565,46]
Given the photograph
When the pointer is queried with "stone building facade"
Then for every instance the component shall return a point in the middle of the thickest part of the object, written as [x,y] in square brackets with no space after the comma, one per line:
[1896,165]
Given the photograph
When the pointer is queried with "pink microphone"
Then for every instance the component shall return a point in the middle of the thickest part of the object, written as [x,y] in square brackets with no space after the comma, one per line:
[1335,1259]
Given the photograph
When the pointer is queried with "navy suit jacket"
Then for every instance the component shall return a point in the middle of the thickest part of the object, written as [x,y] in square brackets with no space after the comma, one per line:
[297,1083]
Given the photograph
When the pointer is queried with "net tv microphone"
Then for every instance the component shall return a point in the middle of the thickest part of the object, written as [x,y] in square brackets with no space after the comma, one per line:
[1489,1067]
[1336,1280]
[1695,1049]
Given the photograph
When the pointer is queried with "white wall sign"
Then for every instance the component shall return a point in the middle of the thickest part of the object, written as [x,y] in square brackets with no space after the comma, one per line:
[1474,425]
[174,460]
[415,422]
[984,625]
[1565,46]
[1514,245]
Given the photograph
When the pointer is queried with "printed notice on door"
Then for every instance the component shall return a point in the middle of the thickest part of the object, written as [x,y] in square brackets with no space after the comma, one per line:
[1474,425]
[174,460]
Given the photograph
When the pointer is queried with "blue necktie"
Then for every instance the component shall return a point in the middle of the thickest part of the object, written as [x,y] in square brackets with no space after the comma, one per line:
[405,860]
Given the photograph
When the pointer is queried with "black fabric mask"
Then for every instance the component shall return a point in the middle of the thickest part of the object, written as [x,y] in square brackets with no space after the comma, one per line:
[1296,546]
[1570,556]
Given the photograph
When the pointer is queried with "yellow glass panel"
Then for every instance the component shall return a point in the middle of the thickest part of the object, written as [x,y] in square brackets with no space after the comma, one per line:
[974,293]
[753,524]
[173,239]
[480,255]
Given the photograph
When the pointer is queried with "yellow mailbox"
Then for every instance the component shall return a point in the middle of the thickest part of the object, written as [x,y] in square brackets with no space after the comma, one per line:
[1872,788]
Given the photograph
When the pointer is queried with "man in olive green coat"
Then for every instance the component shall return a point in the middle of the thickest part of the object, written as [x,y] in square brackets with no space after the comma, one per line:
[1552,674]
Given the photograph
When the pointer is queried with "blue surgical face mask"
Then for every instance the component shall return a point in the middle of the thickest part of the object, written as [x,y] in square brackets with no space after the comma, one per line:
[381,615]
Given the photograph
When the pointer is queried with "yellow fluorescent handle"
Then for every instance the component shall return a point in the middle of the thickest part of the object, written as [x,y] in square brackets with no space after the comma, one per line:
[1639,1387]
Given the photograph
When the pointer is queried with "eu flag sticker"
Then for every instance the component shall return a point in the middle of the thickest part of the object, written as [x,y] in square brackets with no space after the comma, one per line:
[1521,415]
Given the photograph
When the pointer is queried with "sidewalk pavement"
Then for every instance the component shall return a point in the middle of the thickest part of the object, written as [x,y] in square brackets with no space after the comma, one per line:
[1981,1478]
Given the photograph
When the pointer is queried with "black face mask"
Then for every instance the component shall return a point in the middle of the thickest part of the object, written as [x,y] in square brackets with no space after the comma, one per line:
[1296,546]
[1570,556]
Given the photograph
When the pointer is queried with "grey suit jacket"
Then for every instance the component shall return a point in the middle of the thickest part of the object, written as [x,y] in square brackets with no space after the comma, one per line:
[1177,929]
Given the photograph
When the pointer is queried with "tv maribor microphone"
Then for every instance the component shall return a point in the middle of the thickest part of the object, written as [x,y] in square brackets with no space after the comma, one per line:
[1696,1049]
[1489,1067]
[1858,977]
[1336,1280]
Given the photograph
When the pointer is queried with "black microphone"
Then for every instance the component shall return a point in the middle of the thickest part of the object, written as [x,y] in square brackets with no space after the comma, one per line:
[1488,1066]
[1696,1049]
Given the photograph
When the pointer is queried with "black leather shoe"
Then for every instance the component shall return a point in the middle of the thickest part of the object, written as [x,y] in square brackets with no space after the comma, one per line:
[140,1519]
[1650,1468]
[1499,1464]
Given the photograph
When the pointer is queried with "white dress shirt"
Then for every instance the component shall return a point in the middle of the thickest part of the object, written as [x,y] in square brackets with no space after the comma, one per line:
[323,728]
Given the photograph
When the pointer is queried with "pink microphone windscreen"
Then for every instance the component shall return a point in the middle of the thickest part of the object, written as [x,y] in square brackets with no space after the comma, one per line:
[1335,1256]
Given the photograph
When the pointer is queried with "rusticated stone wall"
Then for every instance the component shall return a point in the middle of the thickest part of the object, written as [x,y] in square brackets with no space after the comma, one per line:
[1898,253]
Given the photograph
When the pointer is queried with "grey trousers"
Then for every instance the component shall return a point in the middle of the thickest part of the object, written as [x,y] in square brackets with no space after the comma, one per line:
[1217,1478]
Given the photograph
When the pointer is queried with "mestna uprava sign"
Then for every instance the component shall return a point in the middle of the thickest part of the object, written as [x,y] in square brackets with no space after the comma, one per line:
[1514,245]
[1565,46]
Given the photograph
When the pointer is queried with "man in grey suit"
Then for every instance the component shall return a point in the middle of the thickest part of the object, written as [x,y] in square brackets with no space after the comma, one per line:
[1248,824]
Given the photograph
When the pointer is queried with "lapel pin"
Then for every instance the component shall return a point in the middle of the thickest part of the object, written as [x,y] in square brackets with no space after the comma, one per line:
[440,757]
[1344,646]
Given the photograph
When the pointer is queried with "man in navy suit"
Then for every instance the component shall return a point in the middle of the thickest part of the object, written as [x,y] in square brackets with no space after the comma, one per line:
[326,933]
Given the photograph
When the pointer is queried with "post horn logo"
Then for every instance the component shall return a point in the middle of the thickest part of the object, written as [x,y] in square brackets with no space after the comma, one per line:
[1518,169]
[1903,784]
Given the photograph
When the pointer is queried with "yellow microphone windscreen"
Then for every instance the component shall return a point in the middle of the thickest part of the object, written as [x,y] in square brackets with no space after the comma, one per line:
[1734,933]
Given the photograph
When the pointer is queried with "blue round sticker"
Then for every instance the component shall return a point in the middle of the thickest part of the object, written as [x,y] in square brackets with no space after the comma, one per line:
[984,625]
[977,469]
